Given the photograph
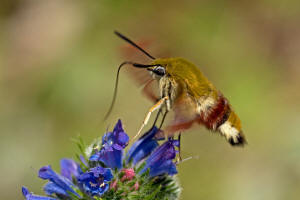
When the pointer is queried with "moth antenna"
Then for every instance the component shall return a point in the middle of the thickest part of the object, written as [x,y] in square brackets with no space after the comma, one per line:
[133,44]
[117,82]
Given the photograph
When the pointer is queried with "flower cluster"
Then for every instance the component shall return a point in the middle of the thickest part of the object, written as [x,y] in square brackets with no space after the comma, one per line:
[104,171]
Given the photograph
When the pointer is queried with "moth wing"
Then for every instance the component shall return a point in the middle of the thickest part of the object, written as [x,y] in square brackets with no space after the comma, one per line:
[185,110]
[141,77]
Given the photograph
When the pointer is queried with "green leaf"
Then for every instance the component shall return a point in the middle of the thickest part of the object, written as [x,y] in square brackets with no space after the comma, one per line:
[140,167]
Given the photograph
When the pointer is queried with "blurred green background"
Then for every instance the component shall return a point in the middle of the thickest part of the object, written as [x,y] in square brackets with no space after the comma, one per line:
[58,61]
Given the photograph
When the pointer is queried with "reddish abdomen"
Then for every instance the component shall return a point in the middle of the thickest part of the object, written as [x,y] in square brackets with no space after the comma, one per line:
[215,116]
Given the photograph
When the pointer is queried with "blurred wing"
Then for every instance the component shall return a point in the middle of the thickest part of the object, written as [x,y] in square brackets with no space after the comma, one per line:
[185,109]
[140,76]
[149,90]
[144,79]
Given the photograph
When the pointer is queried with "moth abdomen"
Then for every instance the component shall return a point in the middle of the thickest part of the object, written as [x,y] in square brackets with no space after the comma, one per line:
[220,117]
[231,129]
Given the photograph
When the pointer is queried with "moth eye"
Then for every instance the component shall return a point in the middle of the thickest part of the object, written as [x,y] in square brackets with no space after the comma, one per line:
[160,71]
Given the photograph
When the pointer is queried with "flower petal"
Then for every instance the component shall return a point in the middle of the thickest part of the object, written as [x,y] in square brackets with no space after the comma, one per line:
[107,175]
[95,157]
[111,157]
[161,160]
[69,168]
[95,181]
[51,188]
[121,137]
[167,167]
[118,136]
[113,143]
[29,196]
[117,147]
[143,147]
[48,174]
[165,151]
[102,172]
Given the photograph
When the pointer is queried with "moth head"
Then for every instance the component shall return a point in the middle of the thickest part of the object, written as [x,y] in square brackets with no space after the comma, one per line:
[158,70]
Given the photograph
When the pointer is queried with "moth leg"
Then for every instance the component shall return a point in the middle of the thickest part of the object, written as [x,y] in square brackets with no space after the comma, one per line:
[152,109]
[163,119]
[162,122]
[156,118]
[179,149]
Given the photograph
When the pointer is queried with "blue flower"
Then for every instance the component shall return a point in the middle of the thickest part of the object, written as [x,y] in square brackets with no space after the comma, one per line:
[113,143]
[69,168]
[161,160]
[51,188]
[143,147]
[29,196]
[95,181]
[116,138]
[58,184]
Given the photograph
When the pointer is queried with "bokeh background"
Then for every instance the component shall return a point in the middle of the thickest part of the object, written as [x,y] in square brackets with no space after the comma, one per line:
[58,61]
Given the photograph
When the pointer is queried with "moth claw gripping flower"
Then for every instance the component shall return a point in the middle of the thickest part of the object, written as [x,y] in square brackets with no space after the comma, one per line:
[146,171]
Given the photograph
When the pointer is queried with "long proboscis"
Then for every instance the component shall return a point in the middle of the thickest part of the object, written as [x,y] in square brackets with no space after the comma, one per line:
[137,65]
